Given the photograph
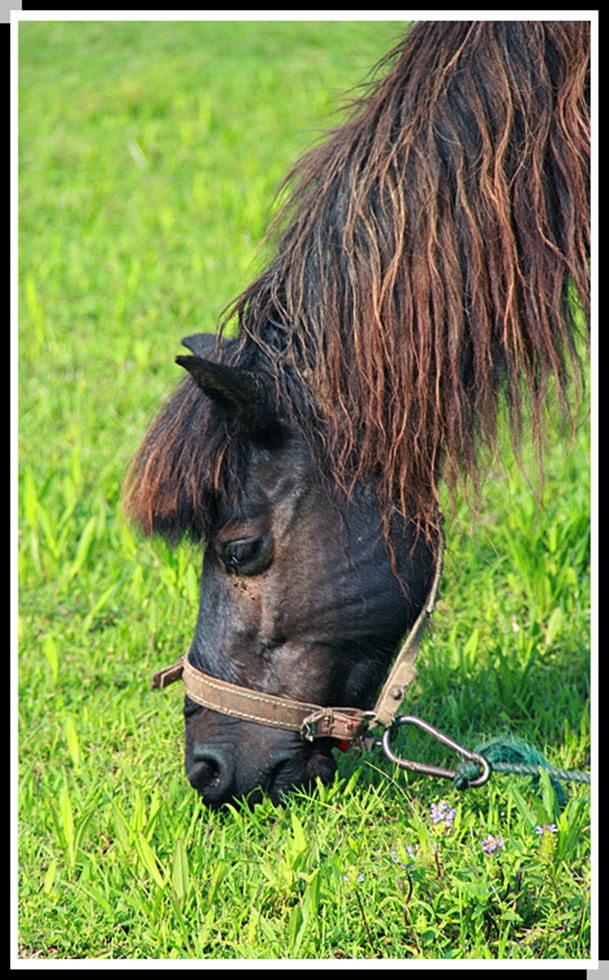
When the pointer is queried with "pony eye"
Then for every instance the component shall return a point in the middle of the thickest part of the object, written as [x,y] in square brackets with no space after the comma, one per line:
[248,556]
[240,552]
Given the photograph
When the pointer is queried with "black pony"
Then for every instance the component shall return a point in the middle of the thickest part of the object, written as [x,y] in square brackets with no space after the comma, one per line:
[431,258]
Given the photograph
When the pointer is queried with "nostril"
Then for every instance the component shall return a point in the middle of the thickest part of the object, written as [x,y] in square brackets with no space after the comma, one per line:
[210,774]
[203,775]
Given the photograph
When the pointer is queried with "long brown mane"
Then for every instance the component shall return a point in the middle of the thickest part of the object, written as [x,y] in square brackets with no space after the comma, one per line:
[431,256]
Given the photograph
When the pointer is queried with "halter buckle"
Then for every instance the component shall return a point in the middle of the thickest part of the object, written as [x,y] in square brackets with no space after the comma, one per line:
[342,723]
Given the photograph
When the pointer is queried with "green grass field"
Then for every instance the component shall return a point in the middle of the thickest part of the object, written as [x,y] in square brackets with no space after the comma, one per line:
[149,156]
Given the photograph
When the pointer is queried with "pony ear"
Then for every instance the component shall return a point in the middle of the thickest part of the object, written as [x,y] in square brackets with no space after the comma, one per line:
[243,394]
[205,344]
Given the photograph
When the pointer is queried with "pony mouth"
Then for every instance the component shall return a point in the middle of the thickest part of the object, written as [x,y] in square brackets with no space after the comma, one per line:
[290,774]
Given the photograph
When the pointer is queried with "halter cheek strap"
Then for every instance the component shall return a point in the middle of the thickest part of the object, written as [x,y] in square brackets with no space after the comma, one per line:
[310,720]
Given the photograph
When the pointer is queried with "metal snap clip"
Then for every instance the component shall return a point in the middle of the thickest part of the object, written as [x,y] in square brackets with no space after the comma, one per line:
[428,770]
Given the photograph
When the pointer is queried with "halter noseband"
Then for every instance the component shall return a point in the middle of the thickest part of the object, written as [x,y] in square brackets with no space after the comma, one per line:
[310,720]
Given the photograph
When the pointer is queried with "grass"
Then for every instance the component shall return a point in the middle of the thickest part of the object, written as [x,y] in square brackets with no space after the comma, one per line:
[149,154]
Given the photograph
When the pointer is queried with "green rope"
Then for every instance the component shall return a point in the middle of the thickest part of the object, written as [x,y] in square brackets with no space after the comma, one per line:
[512,755]
[566,775]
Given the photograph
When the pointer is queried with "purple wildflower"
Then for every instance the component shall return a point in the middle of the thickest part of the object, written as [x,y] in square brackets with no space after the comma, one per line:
[548,828]
[490,844]
[440,812]
[394,855]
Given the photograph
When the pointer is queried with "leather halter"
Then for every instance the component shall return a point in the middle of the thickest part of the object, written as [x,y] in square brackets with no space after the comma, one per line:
[311,720]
